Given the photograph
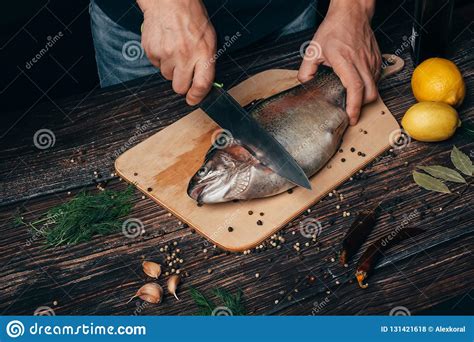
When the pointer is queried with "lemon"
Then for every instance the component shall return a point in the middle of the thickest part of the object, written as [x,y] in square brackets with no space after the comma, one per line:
[439,80]
[431,121]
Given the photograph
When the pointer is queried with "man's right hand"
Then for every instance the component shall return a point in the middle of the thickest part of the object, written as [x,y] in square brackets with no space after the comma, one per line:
[179,38]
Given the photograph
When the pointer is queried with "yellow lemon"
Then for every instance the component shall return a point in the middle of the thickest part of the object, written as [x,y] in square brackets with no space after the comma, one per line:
[431,121]
[439,80]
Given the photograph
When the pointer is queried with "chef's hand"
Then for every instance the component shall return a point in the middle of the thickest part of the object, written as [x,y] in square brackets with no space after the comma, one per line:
[178,38]
[345,41]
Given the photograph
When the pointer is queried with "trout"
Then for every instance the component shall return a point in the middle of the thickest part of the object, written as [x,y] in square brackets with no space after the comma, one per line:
[308,120]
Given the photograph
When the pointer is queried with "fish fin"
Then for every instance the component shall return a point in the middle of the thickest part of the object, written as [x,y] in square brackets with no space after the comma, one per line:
[253,105]
[344,99]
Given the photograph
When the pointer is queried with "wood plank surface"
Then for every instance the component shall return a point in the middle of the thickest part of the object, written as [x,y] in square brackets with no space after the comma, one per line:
[99,277]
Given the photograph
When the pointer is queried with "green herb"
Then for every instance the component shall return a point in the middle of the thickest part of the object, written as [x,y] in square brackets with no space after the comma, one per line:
[205,305]
[430,183]
[232,303]
[83,217]
[461,161]
[444,173]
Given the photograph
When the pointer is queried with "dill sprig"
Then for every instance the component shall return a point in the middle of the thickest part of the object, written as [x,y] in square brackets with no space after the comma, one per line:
[206,306]
[233,302]
[83,217]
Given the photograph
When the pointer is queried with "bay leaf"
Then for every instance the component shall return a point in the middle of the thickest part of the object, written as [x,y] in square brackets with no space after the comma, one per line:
[462,162]
[430,183]
[444,173]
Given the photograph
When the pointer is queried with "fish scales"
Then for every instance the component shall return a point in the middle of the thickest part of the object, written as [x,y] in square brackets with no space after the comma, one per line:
[307,120]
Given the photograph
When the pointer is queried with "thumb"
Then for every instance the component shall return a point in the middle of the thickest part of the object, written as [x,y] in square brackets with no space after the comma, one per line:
[311,60]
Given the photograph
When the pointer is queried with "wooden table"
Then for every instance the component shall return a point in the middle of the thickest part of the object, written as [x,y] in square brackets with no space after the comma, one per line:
[432,275]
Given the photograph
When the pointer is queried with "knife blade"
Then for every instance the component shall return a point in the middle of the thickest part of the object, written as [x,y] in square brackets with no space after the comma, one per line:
[221,107]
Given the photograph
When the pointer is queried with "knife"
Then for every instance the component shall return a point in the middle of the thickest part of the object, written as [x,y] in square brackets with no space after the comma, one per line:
[221,107]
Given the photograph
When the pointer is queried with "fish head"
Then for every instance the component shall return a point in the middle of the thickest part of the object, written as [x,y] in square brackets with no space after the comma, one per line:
[224,175]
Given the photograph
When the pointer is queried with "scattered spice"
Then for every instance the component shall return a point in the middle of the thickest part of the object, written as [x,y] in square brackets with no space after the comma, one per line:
[357,234]
[259,222]
[343,159]
[135,174]
[290,191]
[261,214]
[353,149]
[376,251]
[341,150]
[149,189]
[230,229]
[250,212]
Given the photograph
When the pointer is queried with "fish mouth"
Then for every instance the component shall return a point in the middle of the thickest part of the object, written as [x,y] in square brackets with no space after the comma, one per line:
[195,191]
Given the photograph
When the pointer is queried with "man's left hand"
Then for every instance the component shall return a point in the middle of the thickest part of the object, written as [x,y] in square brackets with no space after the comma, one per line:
[347,44]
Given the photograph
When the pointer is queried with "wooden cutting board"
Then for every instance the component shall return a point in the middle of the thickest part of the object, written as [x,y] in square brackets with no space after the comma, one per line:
[162,165]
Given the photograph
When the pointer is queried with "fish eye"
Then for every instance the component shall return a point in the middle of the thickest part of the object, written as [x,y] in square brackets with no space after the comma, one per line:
[202,171]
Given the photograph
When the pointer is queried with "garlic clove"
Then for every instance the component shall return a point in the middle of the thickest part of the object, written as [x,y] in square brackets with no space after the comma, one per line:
[173,283]
[150,292]
[151,269]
